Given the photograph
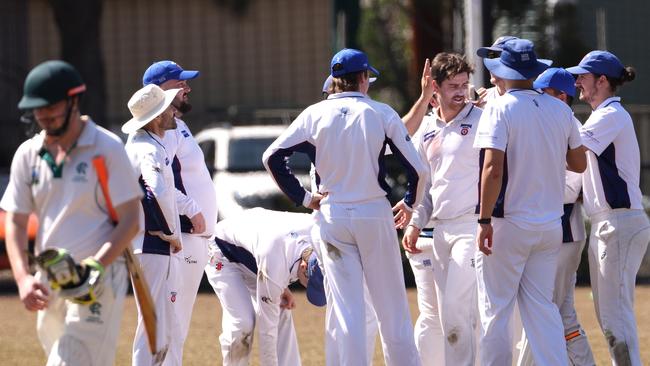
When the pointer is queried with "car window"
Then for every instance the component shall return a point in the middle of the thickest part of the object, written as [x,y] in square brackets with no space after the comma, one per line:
[245,154]
[209,153]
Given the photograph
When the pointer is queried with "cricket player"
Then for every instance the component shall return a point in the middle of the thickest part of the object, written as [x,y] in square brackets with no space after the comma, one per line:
[250,270]
[487,94]
[620,230]
[158,246]
[559,83]
[523,136]
[196,197]
[346,137]
[52,176]
[446,145]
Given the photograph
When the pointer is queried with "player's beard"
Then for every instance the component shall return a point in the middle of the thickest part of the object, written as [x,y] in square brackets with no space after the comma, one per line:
[182,106]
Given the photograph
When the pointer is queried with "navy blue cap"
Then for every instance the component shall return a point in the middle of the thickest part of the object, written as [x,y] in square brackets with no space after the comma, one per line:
[350,60]
[600,63]
[558,79]
[495,50]
[315,287]
[162,71]
[518,61]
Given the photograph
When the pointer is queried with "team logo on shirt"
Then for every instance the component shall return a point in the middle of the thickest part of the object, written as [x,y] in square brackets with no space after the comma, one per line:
[173,297]
[95,313]
[429,136]
[35,178]
[464,129]
[426,262]
[185,133]
[166,161]
[267,300]
[218,266]
[81,172]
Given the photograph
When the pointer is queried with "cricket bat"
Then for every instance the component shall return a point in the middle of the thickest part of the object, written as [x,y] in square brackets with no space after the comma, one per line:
[140,286]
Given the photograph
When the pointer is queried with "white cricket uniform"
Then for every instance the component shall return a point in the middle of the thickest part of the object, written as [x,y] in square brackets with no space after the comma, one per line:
[534,130]
[160,267]
[257,256]
[195,193]
[573,241]
[427,331]
[451,204]
[346,137]
[620,230]
[72,215]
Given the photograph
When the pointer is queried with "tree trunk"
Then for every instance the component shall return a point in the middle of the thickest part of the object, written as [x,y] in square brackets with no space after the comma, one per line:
[79,25]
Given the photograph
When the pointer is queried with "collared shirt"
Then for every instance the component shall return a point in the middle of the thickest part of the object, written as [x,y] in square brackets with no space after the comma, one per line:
[71,210]
[346,138]
[448,149]
[191,178]
[534,130]
[611,180]
[152,163]
[274,241]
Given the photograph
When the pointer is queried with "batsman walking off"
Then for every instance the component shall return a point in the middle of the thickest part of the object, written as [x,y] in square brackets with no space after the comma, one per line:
[80,288]
[346,137]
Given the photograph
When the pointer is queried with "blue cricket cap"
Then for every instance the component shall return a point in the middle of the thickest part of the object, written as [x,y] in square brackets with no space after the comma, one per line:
[350,60]
[315,288]
[495,50]
[600,63]
[162,71]
[558,79]
[518,61]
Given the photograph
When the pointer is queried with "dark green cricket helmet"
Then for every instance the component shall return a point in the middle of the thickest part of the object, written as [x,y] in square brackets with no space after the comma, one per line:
[50,82]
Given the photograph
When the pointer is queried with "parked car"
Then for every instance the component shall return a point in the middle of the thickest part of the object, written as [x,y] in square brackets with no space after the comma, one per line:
[233,156]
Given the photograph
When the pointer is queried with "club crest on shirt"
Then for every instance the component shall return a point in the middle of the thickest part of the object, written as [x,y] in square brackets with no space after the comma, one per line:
[95,313]
[80,169]
[185,133]
[173,296]
[464,129]
[35,178]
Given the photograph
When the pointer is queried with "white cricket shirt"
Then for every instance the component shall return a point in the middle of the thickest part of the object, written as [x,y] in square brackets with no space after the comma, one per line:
[346,137]
[272,242]
[611,180]
[152,163]
[70,207]
[453,164]
[534,130]
[191,178]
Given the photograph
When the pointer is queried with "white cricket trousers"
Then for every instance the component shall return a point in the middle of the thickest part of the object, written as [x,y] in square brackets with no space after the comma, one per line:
[577,345]
[236,288]
[522,268]
[73,334]
[358,240]
[617,244]
[191,267]
[429,338]
[161,273]
[454,249]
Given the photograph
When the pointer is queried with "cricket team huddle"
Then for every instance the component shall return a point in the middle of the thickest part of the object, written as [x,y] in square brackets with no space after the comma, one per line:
[492,218]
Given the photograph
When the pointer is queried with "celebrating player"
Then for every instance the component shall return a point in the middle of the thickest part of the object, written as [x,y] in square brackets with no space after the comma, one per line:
[250,270]
[346,137]
[523,136]
[52,176]
[620,230]
[152,116]
[196,198]
[559,83]
[446,144]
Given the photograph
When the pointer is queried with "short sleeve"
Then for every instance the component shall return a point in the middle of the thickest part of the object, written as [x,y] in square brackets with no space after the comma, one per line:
[492,129]
[575,139]
[122,180]
[599,131]
[18,196]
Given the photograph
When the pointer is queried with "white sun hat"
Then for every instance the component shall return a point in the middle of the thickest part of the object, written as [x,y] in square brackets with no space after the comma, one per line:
[147,104]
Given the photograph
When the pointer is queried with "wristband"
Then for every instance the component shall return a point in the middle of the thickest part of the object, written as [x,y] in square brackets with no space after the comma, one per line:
[486,221]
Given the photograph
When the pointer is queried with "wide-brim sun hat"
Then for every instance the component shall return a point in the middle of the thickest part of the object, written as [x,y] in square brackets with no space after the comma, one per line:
[518,61]
[147,104]
[495,50]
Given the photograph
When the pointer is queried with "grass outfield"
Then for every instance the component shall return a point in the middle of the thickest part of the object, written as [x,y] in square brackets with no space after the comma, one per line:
[19,345]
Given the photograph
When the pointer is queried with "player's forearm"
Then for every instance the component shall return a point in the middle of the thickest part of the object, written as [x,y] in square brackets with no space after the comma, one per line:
[413,118]
[490,187]
[122,234]
[16,241]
